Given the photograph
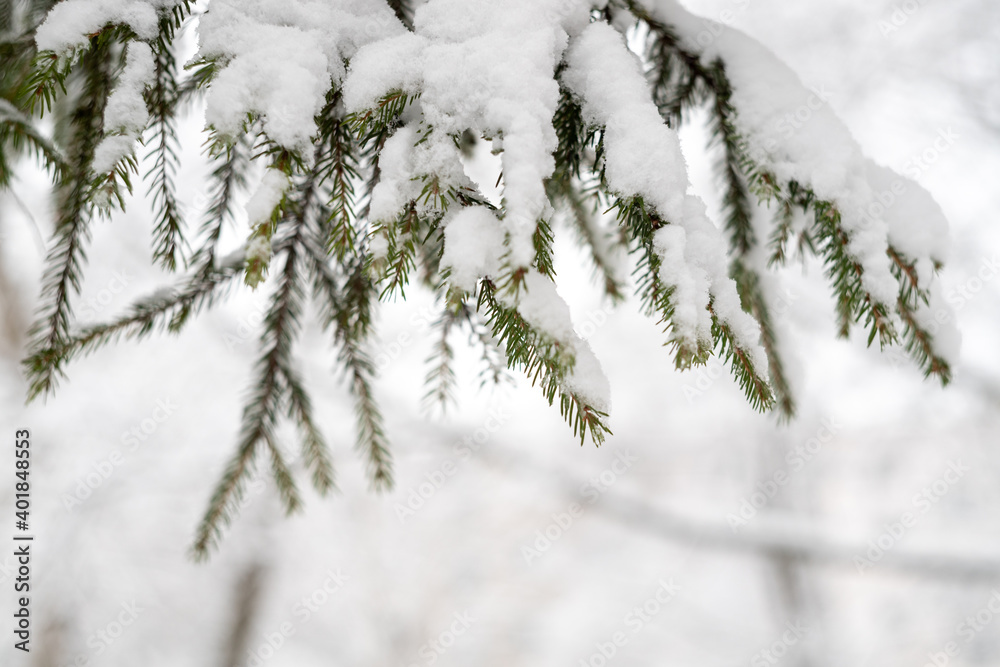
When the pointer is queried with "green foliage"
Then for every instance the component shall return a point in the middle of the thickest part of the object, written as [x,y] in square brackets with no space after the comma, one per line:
[162,98]
[325,250]
[543,360]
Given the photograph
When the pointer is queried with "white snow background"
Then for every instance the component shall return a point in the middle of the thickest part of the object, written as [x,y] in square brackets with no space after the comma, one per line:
[699,451]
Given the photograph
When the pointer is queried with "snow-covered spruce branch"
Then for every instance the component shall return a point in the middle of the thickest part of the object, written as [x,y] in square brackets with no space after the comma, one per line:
[361,114]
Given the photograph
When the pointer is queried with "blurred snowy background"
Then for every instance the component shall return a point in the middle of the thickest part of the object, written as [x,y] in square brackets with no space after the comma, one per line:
[702,534]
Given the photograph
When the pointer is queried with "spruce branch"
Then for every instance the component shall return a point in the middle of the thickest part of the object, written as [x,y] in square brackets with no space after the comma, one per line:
[656,297]
[228,493]
[574,166]
[494,360]
[371,436]
[542,240]
[321,232]
[169,244]
[19,134]
[287,491]
[543,360]
[260,412]
[339,168]
[732,165]
[403,9]
[167,310]
[46,82]
[315,453]
[228,179]
[74,207]
[440,379]
[754,302]
[919,342]
[347,296]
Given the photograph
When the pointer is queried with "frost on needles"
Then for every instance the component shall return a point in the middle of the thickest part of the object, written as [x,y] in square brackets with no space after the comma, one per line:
[336,130]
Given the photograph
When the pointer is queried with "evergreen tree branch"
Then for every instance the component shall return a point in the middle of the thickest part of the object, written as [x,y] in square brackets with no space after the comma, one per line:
[755,303]
[543,360]
[494,361]
[370,432]
[440,379]
[404,11]
[339,168]
[228,493]
[165,310]
[919,343]
[19,134]
[169,244]
[264,403]
[315,453]
[73,214]
[229,178]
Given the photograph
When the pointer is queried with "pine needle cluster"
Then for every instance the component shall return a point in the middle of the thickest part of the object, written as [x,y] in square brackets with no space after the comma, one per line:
[319,240]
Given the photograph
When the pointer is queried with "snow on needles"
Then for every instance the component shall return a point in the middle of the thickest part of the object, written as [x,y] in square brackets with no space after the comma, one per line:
[791,131]
[542,307]
[488,67]
[70,23]
[471,239]
[267,196]
[473,242]
[125,115]
[280,59]
[643,158]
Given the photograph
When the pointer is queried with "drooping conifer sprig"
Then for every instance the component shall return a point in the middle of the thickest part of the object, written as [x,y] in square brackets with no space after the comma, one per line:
[543,360]
[319,242]
[277,386]
[682,78]
[228,180]
[169,245]
[345,290]
[440,379]
[164,311]
[826,238]
[682,82]
[74,210]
